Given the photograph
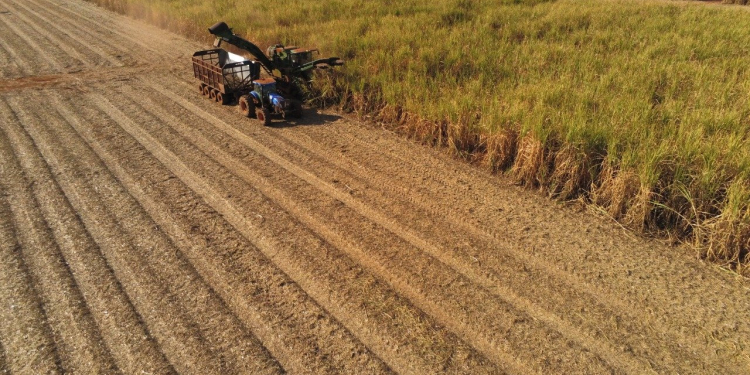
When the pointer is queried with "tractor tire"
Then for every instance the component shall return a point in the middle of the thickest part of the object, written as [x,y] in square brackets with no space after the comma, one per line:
[202,88]
[247,107]
[221,98]
[263,115]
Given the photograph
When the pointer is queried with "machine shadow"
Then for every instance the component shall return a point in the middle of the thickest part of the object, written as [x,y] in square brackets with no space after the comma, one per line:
[310,117]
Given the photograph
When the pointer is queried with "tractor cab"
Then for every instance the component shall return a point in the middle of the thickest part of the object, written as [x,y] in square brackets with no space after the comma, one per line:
[290,57]
[265,94]
[301,56]
[264,87]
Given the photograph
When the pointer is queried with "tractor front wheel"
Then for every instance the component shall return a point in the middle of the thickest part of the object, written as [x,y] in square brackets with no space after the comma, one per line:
[263,115]
[247,107]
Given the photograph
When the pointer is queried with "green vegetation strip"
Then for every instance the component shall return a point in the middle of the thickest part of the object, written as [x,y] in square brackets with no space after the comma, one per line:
[638,106]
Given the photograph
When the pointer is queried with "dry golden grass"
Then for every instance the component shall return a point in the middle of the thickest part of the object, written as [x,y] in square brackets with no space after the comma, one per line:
[501,149]
[532,165]
[572,173]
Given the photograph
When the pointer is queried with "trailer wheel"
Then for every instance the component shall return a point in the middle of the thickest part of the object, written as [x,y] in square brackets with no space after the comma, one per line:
[263,115]
[206,90]
[212,95]
[247,107]
[202,88]
[220,98]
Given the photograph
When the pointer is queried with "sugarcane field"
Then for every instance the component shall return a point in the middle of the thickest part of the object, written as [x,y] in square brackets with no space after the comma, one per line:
[374,187]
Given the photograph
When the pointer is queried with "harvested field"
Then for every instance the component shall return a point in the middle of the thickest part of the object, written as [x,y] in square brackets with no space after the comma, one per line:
[145,229]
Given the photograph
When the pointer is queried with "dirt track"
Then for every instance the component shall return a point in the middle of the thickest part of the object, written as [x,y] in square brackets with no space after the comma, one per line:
[144,229]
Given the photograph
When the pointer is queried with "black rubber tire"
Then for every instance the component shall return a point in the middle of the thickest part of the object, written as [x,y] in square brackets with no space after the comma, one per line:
[263,115]
[201,88]
[212,94]
[220,98]
[206,91]
[246,106]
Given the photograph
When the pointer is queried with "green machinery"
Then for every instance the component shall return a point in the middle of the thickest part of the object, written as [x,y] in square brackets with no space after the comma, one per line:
[291,67]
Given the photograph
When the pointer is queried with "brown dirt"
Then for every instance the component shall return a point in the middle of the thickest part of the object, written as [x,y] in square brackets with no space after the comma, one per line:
[145,229]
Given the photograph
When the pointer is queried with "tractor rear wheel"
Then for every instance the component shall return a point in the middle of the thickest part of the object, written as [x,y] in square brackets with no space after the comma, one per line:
[263,115]
[247,107]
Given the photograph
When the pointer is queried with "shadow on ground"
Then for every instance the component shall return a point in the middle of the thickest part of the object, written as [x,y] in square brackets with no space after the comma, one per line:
[310,117]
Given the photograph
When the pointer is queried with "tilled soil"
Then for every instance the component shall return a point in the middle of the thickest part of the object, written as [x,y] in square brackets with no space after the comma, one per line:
[146,229]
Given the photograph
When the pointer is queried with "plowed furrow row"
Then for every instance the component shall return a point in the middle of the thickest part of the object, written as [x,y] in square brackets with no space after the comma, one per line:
[292,326]
[323,186]
[27,340]
[9,67]
[100,33]
[77,339]
[331,279]
[236,349]
[394,259]
[122,330]
[593,316]
[306,218]
[171,327]
[32,40]
[509,279]
[538,254]
[51,38]
[62,28]
[311,220]
[6,60]
[130,37]
[91,19]
[17,53]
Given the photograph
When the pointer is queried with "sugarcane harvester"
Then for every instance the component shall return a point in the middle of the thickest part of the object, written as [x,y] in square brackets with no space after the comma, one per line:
[291,67]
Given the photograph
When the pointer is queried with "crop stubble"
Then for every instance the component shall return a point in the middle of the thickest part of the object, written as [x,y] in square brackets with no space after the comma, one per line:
[73,329]
[145,228]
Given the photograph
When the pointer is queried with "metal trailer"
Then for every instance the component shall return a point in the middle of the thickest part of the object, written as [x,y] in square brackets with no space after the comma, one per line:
[223,79]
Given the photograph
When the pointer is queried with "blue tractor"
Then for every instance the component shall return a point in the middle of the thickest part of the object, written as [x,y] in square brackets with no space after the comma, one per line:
[264,100]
